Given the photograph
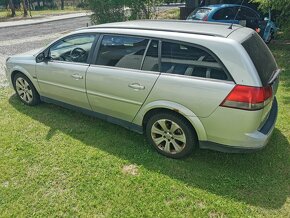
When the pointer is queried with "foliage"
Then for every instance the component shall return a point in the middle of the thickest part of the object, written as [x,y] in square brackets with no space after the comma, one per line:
[281,6]
[116,10]
[143,9]
[106,11]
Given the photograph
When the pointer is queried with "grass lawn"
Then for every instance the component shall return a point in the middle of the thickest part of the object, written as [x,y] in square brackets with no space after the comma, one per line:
[57,162]
[5,14]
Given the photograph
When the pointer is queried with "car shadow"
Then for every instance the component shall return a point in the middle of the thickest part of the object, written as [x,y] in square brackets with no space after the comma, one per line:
[258,179]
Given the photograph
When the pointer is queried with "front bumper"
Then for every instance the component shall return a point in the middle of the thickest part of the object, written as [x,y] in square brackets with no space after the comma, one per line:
[260,137]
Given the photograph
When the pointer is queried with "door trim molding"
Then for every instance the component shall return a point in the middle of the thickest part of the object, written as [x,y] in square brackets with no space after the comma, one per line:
[114,98]
[62,86]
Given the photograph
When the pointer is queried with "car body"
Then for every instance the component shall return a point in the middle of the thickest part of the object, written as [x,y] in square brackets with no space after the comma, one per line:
[184,87]
[227,13]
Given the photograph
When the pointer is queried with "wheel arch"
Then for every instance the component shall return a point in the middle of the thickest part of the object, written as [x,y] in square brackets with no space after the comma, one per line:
[21,70]
[174,108]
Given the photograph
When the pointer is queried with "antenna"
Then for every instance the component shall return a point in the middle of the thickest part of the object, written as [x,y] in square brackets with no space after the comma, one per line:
[231,26]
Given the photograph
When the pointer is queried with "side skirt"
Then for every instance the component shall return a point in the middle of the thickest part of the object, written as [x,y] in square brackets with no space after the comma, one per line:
[123,123]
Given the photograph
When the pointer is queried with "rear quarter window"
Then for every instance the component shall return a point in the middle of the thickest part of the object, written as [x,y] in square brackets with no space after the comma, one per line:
[183,59]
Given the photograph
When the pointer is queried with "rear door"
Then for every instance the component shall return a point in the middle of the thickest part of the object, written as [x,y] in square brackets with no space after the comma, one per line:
[121,77]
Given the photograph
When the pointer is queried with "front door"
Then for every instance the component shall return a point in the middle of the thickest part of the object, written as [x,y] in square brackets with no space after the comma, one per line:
[63,77]
[122,76]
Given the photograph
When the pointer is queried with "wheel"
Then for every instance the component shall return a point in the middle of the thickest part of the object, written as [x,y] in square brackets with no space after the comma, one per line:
[25,90]
[171,135]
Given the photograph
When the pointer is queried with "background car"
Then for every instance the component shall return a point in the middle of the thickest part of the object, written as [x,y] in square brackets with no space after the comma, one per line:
[227,13]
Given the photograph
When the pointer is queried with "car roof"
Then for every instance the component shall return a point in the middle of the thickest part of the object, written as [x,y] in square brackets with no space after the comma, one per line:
[222,6]
[191,27]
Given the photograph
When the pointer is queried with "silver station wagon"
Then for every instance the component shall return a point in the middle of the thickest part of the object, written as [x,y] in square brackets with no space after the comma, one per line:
[183,84]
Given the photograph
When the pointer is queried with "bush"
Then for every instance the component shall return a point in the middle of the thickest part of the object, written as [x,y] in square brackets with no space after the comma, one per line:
[116,10]
[106,11]
[281,6]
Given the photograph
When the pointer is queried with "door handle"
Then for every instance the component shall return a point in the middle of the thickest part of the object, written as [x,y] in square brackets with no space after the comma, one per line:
[136,86]
[77,76]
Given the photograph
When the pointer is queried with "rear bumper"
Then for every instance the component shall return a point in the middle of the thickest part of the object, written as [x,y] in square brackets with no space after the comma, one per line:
[259,138]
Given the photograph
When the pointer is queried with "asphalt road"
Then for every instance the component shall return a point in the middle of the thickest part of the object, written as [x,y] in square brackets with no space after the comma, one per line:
[15,40]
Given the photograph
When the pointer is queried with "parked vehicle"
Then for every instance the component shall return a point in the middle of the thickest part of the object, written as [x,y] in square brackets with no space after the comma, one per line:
[228,13]
[183,87]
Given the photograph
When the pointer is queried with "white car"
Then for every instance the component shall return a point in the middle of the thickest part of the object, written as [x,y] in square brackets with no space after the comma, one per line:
[184,84]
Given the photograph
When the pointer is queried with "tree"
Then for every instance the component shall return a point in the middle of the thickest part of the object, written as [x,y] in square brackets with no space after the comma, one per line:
[12,8]
[62,4]
[281,6]
[143,9]
[106,11]
[24,8]
[116,10]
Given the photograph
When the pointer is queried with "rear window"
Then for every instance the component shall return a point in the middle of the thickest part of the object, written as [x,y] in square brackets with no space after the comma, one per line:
[199,14]
[261,57]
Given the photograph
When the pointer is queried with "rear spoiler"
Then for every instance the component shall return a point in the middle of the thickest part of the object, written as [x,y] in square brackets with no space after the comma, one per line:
[274,76]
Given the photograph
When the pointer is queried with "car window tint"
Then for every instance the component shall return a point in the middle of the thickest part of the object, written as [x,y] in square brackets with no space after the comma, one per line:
[251,18]
[248,14]
[72,49]
[224,14]
[122,51]
[151,59]
[190,61]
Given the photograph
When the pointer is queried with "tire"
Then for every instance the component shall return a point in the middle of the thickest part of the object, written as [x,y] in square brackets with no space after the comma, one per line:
[25,90]
[171,135]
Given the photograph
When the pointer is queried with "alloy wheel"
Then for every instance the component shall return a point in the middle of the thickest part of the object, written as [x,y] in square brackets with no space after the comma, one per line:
[168,136]
[24,90]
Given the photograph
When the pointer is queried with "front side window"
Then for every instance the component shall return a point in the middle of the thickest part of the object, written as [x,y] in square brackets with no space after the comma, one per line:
[190,61]
[122,51]
[72,49]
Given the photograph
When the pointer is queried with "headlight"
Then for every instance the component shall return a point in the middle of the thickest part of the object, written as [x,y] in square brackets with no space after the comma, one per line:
[7,59]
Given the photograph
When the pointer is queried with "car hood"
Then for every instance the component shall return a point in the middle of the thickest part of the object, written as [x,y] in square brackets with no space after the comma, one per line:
[28,54]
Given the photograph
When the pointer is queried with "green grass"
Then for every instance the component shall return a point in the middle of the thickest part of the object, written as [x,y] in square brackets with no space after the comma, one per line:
[57,162]
[5,15]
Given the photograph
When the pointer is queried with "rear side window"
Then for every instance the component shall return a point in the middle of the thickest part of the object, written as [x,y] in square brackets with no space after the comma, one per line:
[261,57]
[190,61]
[122,51]
[151,62]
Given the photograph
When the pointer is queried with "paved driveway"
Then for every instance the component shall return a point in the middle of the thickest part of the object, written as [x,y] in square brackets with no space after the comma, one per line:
[15,40]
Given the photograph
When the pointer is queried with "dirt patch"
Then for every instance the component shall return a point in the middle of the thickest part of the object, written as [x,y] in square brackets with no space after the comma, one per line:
[131,169]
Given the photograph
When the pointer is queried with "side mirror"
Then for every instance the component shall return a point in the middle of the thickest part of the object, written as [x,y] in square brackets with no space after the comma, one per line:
[42,57]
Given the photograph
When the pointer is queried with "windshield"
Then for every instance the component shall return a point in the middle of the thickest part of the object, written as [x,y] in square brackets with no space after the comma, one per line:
[199,14]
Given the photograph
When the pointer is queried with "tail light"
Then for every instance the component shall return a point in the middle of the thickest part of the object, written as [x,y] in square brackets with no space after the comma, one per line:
[205,18]
[248,97]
